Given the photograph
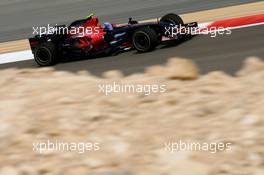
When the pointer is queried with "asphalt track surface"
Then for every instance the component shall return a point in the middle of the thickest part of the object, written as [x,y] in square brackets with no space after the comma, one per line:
[221,53]
[17,17]
[225,53]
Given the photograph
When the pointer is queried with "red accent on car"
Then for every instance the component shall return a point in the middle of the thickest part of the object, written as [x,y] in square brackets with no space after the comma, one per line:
[33,43]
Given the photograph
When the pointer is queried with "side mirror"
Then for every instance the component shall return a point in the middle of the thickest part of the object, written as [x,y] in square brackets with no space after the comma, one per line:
[131,21]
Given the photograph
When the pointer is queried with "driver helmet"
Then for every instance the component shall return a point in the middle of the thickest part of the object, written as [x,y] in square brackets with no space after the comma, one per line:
[108,26]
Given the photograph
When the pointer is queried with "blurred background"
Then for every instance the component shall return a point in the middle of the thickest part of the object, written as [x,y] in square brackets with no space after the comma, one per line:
[18,17]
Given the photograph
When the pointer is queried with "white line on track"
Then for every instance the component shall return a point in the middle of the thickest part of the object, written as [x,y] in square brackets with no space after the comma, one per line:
[16,56]
[245,26]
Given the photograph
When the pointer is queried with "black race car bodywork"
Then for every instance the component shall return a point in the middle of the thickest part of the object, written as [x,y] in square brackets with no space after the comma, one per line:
[49,49]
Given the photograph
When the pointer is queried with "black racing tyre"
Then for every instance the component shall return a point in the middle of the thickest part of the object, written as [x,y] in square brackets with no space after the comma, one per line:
[173,19]
[145,39]
[45,54]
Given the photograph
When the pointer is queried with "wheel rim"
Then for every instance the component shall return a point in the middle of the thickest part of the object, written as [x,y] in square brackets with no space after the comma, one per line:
[141,41]
[43,55]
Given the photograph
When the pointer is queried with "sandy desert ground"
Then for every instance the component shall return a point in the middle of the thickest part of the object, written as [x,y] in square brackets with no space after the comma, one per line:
[132,129]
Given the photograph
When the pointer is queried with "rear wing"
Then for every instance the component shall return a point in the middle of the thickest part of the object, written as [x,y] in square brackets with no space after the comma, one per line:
[54,37]
[36,41]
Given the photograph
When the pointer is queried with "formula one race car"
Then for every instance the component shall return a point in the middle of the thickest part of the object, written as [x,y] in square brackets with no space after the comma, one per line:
[87,38]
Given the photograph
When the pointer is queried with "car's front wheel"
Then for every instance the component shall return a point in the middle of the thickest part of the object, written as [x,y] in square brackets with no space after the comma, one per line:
[145,39]
[172,19]
[45,54]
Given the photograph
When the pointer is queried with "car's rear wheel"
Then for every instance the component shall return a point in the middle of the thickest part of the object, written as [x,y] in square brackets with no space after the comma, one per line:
[145,39]
[45,54]
[173,19]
